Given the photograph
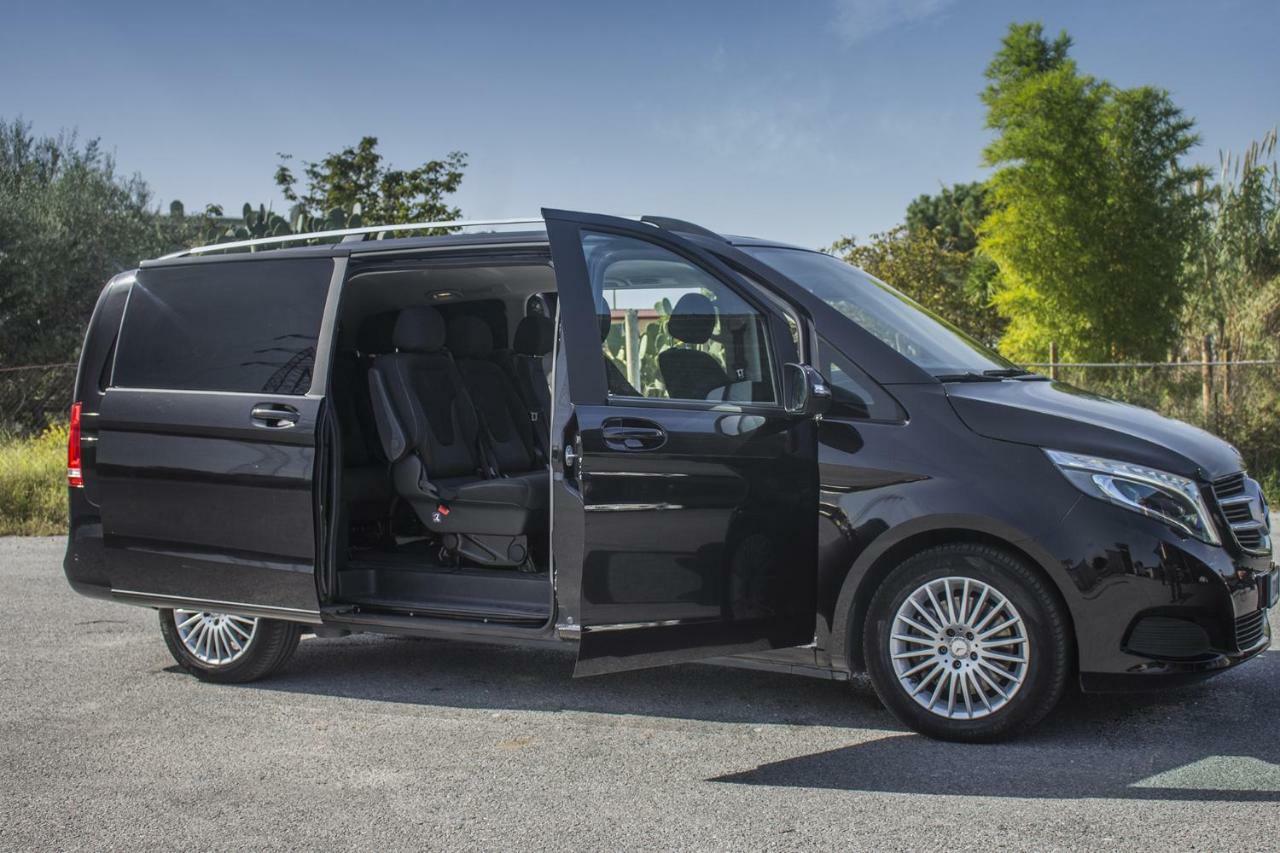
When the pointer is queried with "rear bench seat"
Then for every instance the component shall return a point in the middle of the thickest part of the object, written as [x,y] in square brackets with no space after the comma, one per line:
[482,499]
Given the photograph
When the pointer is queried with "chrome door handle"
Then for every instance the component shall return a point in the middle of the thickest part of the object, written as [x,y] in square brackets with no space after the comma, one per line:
[633,434]
[273,416]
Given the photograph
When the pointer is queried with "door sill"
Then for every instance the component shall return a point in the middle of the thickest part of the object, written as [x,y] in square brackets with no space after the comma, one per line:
[445,610]
[345,616]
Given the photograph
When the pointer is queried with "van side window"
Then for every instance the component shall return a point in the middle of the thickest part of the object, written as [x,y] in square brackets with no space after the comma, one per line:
[670,329]
[247,326]
[854,394]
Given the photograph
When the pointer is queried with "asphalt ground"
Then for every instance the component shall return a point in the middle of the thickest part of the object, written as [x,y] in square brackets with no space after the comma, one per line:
[385,743]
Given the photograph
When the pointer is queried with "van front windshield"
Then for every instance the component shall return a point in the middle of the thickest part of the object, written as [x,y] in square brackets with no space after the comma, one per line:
[930,342]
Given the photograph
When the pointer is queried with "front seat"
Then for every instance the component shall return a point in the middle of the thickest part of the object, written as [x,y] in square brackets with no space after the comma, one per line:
[617,383]
[527,365]
[691,374]
[439,464]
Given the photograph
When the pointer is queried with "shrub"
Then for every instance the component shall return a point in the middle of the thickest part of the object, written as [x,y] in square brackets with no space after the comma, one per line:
[33,485]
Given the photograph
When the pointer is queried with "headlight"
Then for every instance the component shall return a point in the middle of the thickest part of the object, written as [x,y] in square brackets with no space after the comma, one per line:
[1172,499]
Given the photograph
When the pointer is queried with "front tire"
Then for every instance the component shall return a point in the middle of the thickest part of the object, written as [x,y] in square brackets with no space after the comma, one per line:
[228,649]
[965,642]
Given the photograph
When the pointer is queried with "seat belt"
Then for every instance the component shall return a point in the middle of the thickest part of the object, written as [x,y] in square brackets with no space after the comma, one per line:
[512,369]
[485,449]
[739,354]
[531,406]
[539,445]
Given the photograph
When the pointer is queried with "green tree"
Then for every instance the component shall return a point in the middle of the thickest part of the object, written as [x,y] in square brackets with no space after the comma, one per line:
[920,264]
[1091,205]
[954,214]
[933,258]
[355,179]
[1232,272]
[68,222]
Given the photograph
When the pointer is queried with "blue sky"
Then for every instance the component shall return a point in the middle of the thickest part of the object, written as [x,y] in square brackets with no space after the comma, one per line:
[800,121]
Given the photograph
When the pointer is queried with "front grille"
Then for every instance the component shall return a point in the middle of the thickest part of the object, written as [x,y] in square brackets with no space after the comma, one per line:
[1253,540]
[1245,512]
[1249,629]
[1229,486]
[1237,512]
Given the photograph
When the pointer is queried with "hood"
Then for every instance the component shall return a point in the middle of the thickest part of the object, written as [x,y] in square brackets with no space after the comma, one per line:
[1058,416]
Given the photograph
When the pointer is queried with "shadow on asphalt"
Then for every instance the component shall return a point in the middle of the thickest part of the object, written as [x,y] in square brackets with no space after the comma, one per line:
[1215,741]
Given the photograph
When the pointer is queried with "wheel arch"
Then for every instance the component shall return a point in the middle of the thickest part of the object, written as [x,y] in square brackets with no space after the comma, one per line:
[877,561]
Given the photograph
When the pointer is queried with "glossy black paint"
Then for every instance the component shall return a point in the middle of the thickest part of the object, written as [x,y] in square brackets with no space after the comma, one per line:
[196,494]
[85,562]
[891,489]
[200,499]
[694,531]
[704,535]
[1057,415]
[967,463]
[188,482]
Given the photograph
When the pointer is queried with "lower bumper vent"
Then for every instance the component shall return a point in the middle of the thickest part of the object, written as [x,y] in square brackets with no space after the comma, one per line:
[1165,637]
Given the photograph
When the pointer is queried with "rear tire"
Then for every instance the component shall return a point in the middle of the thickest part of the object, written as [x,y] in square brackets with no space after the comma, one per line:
[256,649]
[944,671]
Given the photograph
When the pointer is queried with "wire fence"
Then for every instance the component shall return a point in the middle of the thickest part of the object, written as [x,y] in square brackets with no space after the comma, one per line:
[33,397]
[1206,393]
[1237,400]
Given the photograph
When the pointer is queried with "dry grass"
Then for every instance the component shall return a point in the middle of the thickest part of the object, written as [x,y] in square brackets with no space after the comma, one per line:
[33,483]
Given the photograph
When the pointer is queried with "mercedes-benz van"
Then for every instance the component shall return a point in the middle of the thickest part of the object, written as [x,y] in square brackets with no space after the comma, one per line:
[653,442]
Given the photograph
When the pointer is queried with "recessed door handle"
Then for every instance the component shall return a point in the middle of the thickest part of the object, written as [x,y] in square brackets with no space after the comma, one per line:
[273,416]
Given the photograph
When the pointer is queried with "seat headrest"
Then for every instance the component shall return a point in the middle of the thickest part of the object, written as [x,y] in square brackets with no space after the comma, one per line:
[375,333]
[693,319]
[534,335]
[418,329]
[470,337]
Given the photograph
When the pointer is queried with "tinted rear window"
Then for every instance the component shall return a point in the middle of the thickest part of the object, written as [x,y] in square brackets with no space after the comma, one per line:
[246,326]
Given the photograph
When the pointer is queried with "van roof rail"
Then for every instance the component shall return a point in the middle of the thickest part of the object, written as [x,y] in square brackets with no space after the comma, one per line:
[359,234]
[348,233]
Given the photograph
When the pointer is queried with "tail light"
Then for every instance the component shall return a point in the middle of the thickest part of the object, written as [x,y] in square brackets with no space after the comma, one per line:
[74,476]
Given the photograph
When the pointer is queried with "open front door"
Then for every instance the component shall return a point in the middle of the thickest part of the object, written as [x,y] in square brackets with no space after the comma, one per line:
[684,495]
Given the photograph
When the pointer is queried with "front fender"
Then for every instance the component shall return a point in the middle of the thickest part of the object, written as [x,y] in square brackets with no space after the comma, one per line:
[870,567]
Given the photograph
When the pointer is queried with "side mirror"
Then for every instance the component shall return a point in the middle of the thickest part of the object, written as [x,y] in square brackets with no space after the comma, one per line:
[805,392]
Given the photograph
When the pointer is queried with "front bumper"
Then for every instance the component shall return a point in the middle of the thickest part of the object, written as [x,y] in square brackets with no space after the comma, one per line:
[1158,674]
[1153,608]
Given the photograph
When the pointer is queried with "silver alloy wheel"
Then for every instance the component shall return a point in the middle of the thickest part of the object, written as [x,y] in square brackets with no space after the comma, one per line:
[959,648]
[216,639]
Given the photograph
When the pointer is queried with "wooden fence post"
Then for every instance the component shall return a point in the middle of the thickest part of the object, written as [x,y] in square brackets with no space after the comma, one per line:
[1206,381]
[1226,377]
[1053,360]
[632,337]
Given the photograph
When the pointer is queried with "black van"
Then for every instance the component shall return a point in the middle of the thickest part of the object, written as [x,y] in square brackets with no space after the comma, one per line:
[652,441]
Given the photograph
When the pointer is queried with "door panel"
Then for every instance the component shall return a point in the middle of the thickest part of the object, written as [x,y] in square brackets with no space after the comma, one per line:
[199,500]
[695,521]
[694,530]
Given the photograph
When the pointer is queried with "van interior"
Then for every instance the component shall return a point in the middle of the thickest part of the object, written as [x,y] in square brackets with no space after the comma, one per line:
[441,385]
[441,389]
